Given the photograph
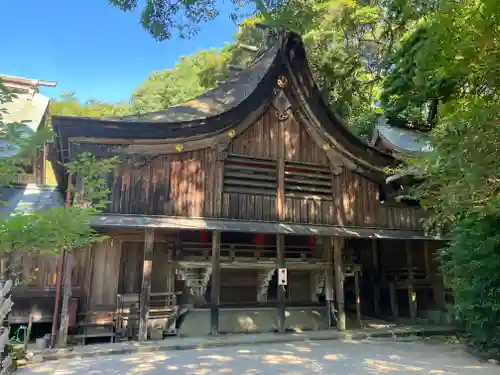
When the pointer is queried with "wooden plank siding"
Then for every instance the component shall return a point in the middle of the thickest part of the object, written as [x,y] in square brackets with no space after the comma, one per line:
[172,185]
[37,271]
[184,184]
[354,199]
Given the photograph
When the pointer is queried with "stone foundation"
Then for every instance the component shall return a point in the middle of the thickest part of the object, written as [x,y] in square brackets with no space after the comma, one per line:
[253,320]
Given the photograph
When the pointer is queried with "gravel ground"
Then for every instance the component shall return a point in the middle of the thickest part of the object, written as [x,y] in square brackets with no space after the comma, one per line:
[315,357]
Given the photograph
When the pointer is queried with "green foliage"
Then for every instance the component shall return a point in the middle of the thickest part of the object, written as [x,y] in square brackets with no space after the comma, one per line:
[190,77]
[472,260]
[47,231]
[93,193]
[454,58]
[166,18]
[69,105]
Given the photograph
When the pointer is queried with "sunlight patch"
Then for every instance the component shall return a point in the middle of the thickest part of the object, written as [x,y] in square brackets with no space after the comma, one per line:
[278,359]
[333,357]
[303,349]
[220,358]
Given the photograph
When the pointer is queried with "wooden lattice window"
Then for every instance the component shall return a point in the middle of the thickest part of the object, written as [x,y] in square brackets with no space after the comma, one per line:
[310,181]
[243,174]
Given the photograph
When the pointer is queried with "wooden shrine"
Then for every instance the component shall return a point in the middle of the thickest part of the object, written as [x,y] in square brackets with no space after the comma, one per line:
[215,194]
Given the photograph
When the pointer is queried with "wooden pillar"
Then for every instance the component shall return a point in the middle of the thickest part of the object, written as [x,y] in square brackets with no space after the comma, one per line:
[394,300]
[329,298]
[338,244]
[412,295]
[435,279]
[376,270]
[146,284]
[215,286]
[358,297]
[280,263]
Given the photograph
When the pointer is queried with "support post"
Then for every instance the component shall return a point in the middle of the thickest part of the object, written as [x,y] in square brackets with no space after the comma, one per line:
[376,270]
[62,337]
[394,300]
[280,263]
[146,284]
[435,279]
[215,286]
[412,294]
[329,294]
[358,297]
[338,244]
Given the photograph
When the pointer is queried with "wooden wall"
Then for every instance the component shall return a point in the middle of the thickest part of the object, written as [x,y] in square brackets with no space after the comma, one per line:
[101,278]
[173,185]
[312,193]
[38,271]
[132,259]
[183,184]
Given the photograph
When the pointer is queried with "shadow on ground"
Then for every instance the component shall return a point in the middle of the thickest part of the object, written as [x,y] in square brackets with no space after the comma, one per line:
[313,357]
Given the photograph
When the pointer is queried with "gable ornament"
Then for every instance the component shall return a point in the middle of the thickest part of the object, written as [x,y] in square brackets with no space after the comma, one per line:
[282,106]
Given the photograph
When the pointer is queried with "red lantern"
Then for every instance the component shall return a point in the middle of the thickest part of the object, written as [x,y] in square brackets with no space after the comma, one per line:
[203,236]
[311,244]
[260,239]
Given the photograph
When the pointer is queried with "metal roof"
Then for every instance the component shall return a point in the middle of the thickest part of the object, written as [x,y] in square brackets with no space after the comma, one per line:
[26,109]
[26,199]
[403,140]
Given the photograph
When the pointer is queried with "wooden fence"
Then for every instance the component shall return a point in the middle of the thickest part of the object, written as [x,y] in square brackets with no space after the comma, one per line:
[5,308]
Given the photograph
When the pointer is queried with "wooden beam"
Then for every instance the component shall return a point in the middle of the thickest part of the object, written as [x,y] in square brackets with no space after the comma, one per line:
[280,263]
[248,48]
[146,284]
[329,284]
[215,285]
[338,244]
[232,225]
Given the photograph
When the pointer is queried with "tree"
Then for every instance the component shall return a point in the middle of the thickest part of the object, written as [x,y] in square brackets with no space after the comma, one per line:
[163,18]
[69,105]
[454,59]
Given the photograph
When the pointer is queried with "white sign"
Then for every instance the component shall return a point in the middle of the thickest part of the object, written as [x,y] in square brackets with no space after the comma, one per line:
[282,276]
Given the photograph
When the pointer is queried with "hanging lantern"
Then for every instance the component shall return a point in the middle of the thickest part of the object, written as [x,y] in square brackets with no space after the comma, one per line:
[311,244]
[203,236]
[260,239]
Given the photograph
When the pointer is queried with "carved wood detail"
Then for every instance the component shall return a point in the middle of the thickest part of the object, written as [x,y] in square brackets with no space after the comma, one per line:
[282,105]
[264,278]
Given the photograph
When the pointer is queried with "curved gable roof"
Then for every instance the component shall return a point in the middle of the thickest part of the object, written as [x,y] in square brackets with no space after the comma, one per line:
[221,108]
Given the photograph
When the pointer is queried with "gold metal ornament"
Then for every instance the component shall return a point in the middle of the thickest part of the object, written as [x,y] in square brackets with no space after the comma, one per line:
[282,82]
[231,133]
[179,147]
[326,146]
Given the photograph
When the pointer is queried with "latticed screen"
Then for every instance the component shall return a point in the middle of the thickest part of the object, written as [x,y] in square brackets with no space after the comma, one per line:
[312,181]
[243,174]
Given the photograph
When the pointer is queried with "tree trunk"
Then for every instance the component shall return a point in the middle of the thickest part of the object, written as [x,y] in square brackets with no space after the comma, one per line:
[62,338]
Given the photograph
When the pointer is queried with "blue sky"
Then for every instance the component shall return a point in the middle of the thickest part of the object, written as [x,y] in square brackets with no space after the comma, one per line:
[90,47]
